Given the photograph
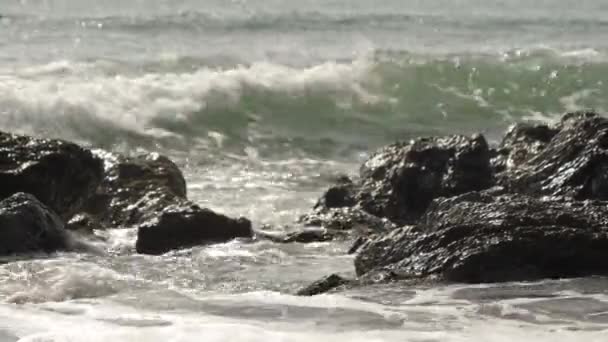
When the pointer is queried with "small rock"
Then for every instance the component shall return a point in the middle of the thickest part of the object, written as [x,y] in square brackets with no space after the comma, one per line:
[187,225]
[324,285]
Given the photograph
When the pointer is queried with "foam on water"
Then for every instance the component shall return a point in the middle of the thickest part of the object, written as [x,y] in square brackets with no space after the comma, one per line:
[323,109]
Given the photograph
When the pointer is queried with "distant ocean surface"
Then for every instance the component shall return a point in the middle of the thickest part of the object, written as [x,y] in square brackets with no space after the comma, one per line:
[262,103]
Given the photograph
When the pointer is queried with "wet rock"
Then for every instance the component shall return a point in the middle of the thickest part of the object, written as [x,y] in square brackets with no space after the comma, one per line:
[343,219]
[324,285]
[135,189]
[479,238]
[574,163]
[27,225]
[60,174]
[309,235]
[399,181]
[186,225]
[522,142]
[339,195]
[83,224]
[148,192]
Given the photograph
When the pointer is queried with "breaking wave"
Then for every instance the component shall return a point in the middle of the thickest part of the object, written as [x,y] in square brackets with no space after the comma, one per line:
[324,108]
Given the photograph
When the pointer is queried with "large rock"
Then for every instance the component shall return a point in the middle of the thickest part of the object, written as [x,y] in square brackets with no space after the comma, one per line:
[573,164]
[477,237]
[27,225]
[135,189]
[60,174]
[399,181]
[186,225]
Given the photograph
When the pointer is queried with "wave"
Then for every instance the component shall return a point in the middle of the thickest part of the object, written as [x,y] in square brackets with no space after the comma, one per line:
[320,109]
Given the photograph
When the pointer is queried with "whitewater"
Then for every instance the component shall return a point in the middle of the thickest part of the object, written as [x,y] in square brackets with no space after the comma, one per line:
[262,103]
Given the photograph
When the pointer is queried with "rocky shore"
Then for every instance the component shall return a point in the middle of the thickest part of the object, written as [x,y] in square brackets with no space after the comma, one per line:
[436,209]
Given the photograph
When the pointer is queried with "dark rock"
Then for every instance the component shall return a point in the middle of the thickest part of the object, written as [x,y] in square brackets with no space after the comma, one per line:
[522,142]
[574,163]
[148,192]
[479,238]
[60,174]
[324,285]
[399,181]
[304,235]
[341,194]
[135,189]
[187,225]
[27,225]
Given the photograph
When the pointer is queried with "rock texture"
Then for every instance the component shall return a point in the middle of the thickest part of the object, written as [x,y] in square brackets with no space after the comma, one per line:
[574,163]
[399,181]
[27,225]
[522,142]
[481,238]
[135,189]
[60,174]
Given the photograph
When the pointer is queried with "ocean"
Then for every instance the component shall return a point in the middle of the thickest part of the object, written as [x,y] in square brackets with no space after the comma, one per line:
[262,103]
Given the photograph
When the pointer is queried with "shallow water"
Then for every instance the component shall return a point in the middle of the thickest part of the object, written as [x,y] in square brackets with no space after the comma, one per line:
[262,103]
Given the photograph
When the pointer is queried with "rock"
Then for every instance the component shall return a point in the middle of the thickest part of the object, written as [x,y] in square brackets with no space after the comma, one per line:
[83,224]
[60,174]
[135,189]
[27,225]
[522,142]
[148,192]
[342,219]
[304,235]
[324,285]
[399,181]
[574,163]
[309,235]
[340,195]
[477,238]
[186,225]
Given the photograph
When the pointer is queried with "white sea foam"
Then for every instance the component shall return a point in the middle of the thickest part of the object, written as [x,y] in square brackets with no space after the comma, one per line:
[77,100]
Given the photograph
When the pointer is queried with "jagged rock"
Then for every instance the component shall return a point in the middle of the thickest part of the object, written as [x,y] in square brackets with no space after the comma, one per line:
[60,174]
[135,189]
[574,163]
[400,180]
[324,285]
[479,238]
[522,142]
[27,225]
[186,225]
